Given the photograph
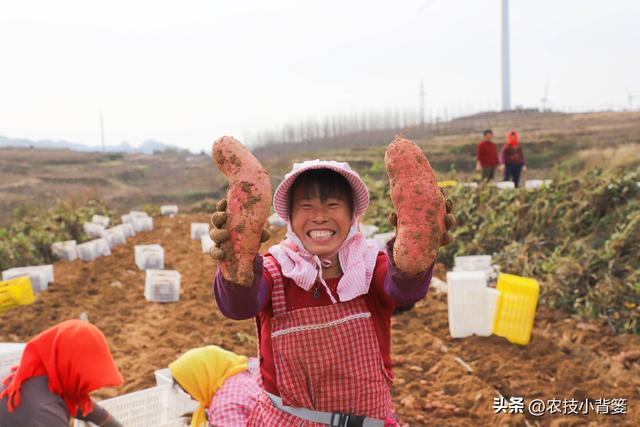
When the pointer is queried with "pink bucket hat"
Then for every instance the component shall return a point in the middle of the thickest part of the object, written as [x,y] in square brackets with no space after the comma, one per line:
[360,192]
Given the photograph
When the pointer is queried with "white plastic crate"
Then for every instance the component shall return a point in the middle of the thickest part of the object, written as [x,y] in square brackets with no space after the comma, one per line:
[505,185]
[101,247]
[153,407]
[93,249]
[532,184]
[142,223]
[381,239]
[10,355]
[471,304]
[472,263]
[40,276]
[65,251]
[207,243]
[86,251]
[163,377]
[199,229]
[47,269]
[149,257]
[492,296]
[128,230]
[162,286]
[93,230]
[169,210]
[368,230]
[115,236]
[100,220]
[128,218]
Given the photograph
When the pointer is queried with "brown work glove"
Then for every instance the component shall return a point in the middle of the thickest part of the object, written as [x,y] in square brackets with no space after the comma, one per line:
[449,221]
[220,235]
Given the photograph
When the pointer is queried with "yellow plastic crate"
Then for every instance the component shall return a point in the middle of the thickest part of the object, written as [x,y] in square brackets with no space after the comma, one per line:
[448,183]
[15,292]
[516,308]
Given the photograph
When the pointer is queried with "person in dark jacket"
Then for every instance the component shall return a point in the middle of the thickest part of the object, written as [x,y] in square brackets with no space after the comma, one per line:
[57,371]
[487,156]
[512,158]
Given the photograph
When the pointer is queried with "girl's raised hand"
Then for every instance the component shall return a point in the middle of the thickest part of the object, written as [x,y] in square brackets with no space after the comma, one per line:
[220,234]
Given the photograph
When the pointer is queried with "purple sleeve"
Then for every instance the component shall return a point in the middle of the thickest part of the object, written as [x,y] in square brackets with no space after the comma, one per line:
[403,288]
[241,302]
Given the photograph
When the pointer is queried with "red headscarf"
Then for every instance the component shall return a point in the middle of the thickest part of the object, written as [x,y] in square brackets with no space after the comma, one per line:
[75,357]
[513,137]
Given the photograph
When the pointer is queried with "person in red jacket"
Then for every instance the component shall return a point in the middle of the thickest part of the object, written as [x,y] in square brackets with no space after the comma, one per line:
[512,158]
[487,157]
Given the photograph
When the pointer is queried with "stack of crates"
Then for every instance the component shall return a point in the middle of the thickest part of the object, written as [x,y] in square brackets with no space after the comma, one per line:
[93,249]
[65,251]
[162,286]
[206,243]
[40,275]
[471,304]
[10,355]
[101,220]
[153,407]
[149,257]
[115,236]
[199,229]
[93,230]
[169,210]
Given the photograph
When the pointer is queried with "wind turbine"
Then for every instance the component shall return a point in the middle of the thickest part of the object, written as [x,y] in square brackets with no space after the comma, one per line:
[544,99]
[421,94]
[506,78]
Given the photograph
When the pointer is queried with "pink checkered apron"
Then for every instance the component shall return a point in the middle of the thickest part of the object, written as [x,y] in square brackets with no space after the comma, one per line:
[327,359]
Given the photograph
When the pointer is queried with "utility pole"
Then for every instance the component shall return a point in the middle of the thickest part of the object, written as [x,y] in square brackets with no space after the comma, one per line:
[102,132]
[506,78]
[630,98]
[421,96]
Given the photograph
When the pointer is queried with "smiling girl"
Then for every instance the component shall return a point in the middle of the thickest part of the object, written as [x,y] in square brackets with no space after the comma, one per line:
[322,300]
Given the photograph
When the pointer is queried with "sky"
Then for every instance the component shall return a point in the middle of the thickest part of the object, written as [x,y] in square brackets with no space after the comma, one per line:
[187,72]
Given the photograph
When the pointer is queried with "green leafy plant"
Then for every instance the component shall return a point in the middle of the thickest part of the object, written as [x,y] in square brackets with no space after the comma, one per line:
[28,240]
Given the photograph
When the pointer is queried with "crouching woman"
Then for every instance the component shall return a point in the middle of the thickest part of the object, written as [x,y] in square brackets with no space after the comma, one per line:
[57,371]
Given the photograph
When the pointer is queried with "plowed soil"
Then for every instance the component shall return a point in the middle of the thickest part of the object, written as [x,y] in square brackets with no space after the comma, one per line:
[568,358]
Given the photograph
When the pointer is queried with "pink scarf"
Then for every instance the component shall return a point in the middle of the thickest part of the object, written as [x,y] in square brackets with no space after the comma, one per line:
[357,260]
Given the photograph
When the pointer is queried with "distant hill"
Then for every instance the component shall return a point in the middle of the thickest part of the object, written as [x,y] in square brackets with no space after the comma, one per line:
[147,147]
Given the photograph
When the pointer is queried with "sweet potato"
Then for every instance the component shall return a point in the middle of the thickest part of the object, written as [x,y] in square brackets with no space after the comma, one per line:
[248,203]
[419,204]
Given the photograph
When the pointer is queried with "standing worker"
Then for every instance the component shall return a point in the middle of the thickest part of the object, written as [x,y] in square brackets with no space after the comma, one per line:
[487,157]
[57,371]
[512,158]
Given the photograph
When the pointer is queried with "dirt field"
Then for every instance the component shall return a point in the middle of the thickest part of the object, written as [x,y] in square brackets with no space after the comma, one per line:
[567,358]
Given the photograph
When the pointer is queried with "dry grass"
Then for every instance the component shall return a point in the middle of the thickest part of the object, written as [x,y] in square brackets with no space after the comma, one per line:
[621,155]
